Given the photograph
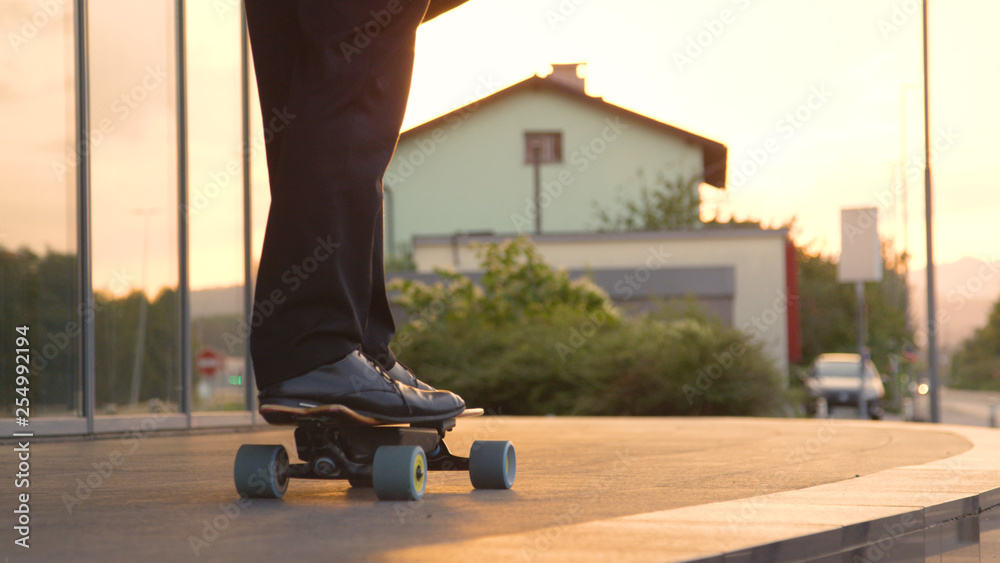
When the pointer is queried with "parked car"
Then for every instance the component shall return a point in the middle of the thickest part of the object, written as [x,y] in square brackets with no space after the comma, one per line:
[836,380]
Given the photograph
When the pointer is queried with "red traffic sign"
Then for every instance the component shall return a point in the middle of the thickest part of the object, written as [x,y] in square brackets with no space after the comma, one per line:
[209,362]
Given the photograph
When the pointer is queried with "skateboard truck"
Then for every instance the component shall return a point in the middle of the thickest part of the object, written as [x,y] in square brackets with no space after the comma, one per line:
[348,453]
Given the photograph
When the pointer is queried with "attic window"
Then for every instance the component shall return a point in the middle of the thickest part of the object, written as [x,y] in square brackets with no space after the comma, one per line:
[542,147]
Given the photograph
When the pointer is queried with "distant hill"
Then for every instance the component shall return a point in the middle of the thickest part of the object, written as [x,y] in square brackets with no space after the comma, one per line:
[217,301]
[966,291]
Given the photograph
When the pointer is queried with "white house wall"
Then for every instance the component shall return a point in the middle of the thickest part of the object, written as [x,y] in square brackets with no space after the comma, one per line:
[469,173]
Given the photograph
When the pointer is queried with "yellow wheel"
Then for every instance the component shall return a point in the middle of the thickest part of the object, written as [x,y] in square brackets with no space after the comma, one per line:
[399,473]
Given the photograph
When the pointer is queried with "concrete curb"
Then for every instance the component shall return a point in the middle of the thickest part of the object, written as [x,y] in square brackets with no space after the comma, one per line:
[949,506]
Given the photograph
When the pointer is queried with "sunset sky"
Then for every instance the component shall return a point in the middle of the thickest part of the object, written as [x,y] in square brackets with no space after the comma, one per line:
[732,70]
[816,100]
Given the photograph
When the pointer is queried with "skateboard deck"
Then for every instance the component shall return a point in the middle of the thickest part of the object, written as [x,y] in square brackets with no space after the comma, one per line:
[336,415]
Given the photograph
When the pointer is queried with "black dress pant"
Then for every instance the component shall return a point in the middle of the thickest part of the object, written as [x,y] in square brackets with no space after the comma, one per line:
[333,78]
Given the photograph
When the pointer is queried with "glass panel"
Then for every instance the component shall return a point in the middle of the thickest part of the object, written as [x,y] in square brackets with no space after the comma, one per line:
[134,201]
[38,206]
[215,162]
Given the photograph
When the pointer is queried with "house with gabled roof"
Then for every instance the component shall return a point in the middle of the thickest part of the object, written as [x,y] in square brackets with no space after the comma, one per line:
[537,158]
[541,147]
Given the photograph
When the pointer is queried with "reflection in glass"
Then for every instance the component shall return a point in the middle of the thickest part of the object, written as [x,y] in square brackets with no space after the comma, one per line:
[134,200]
[37,206]
[215,210]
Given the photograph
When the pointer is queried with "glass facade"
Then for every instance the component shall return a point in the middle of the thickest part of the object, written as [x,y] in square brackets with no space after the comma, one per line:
[99,247]
[133,160]
[215,210]
[38,206]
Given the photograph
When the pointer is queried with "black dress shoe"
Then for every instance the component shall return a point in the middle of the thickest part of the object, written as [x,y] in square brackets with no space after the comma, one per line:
[402,374]
[359,386]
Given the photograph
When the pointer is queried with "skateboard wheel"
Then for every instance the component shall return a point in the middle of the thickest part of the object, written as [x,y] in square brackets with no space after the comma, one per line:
[260,471]
[492,464]
[399,473]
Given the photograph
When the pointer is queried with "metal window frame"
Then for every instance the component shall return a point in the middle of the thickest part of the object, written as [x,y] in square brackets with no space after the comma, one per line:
[85,290]
[183,250]
[87,422]
[85,370]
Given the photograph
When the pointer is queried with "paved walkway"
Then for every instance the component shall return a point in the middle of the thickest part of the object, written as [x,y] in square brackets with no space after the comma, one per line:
[654,489]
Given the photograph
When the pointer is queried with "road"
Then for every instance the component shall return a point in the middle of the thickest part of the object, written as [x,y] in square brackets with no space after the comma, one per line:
[971,408]
[958,406]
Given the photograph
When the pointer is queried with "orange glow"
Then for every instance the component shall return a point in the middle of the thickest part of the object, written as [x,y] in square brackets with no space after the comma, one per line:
[735,77]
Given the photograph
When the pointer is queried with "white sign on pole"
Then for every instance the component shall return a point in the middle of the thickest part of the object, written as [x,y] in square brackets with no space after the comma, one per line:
[860,249]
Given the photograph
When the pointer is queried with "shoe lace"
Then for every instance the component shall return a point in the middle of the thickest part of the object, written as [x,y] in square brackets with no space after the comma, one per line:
[395,384]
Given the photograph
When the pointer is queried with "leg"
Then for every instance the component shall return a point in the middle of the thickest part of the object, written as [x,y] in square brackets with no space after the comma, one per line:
[276,41]
[380,327]
[344,107]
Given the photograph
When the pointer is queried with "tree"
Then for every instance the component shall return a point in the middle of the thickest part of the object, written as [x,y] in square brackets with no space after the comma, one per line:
[674,204]
[517,287]
[116,337]
[828,309]
[976,365]
[38,292]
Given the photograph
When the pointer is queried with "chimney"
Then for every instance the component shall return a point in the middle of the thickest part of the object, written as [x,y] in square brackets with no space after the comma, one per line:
[567,75]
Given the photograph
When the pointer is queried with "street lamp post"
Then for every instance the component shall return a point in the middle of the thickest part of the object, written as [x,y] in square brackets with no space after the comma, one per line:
[140,340]
[932,353]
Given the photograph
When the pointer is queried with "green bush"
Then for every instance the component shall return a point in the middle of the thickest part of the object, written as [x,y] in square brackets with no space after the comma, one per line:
[517,287]
[530,341]
[976,364]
